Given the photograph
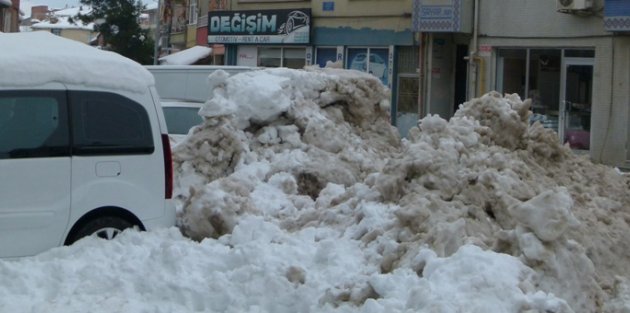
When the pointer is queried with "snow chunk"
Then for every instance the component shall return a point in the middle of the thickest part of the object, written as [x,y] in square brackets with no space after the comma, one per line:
[548,214]
[468,282]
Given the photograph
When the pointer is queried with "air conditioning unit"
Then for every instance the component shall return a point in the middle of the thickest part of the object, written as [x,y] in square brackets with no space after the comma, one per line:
[574,5]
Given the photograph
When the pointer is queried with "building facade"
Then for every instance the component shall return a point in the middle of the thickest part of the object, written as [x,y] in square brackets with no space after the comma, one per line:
[9,16]
[61,22]
[571,58]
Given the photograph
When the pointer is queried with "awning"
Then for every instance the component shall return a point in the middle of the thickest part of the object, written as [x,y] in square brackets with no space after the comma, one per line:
[5,3]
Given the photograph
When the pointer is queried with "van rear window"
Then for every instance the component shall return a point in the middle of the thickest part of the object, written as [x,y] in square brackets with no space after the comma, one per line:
[106,123]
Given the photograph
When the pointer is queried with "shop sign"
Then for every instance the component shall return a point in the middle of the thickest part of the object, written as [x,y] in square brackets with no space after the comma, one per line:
[452,16]
[259,26]
[617,15]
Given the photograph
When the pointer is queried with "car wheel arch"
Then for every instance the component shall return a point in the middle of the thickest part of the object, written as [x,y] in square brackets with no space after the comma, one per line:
[102,212]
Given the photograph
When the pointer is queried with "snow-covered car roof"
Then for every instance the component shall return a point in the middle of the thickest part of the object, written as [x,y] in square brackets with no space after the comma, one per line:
[37,58]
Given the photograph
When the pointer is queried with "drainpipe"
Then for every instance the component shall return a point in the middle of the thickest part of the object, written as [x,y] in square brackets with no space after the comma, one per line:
[472,56]
[421,70]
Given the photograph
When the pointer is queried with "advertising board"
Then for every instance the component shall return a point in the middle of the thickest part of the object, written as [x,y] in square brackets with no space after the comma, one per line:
[290,26]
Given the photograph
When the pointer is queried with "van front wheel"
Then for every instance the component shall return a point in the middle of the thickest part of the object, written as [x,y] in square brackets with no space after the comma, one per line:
[106,227]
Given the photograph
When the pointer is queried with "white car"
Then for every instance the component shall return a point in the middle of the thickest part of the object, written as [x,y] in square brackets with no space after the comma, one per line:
[180,117]
[84,148]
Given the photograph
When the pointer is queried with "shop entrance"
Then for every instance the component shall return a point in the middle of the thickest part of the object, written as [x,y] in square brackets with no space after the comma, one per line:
[575,102]
[559,82]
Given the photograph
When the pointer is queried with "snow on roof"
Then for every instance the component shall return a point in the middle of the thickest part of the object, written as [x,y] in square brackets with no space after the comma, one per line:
[151,6]
[35,58]
[63,22]
[186,57]
[71,12]
[60,19]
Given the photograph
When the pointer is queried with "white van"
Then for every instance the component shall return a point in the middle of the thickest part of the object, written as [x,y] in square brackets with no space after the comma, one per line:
[188,82]
[84,148]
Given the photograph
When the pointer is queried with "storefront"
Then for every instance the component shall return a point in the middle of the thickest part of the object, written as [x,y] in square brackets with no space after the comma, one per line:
[446,28]
[379,47]
[571,60]
[560,84]
[288,38]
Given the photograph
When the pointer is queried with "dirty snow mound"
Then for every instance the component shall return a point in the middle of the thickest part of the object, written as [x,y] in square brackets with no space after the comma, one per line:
[314,149]
[310,127]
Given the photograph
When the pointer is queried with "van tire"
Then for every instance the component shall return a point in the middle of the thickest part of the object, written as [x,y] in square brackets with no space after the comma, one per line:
[106,227]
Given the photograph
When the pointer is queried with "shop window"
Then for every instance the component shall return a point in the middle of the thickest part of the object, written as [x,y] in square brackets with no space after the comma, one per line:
[371,60]
[269,57]
[572,53]
[294,57]
[511,71]
[281,57]
[324,55]
[539,74]
[408,59]
[544,85]
[357,59]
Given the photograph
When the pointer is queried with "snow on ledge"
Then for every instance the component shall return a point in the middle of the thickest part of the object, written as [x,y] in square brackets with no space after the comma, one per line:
[186,57]
[37,58]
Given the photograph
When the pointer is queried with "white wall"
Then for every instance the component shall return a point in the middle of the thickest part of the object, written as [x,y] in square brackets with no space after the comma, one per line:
[536,19]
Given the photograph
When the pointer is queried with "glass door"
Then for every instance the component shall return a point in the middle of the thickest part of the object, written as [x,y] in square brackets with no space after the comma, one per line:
[407,109]
[575,102]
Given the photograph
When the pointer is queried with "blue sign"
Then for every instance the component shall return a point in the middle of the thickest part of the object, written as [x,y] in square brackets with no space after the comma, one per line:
[328,6]
[617,15]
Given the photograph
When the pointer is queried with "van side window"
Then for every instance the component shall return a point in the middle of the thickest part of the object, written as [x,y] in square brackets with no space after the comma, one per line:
[33,124]
[109,124]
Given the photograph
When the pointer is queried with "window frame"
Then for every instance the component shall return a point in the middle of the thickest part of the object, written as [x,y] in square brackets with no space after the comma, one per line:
[192,12]
[81,149]
[282,54]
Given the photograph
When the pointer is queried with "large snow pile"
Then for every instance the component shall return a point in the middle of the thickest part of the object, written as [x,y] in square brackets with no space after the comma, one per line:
[525,222]
[301,197]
